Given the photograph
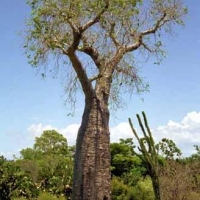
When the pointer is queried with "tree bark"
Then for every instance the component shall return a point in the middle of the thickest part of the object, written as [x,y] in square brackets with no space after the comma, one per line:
[92,158]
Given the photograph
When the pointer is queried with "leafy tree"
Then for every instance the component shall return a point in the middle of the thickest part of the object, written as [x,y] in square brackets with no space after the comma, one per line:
[121,156]
[30,154]
[124,163]
[49,163]
[51,142]
[104,34]
[168,149]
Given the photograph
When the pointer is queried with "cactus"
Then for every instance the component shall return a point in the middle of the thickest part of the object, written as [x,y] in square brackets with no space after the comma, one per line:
[148,152]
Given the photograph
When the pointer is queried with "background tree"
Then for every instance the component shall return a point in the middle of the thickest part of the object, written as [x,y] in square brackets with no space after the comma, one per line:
[168,149]
[125,164]
[97,39]
[122,156]
[51,142]
[49,163]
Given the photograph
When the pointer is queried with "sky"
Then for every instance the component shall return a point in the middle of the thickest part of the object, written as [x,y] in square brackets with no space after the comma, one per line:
[30,104]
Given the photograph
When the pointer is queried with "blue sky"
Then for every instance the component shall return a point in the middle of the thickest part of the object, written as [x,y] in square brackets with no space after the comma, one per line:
[30,104]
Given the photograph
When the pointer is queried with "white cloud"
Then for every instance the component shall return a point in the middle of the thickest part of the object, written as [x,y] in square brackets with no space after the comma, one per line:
[37,129]
[70,132]
[185,133]
[119,131]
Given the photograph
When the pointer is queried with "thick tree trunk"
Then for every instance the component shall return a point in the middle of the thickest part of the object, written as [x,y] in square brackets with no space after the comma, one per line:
[92,158]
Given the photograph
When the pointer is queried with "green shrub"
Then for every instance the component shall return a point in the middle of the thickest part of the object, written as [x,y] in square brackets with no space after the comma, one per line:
[119,189]
[143,190]
[44,196]
[48,196]
[19,198]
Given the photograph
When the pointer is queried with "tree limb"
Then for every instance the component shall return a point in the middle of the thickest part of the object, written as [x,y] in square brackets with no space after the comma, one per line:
[112,35]
[94,78]
[90,51]
[127,72]
[158,24]
[81,73]
[139,36]
[136,45]
[78,67]
[96,19]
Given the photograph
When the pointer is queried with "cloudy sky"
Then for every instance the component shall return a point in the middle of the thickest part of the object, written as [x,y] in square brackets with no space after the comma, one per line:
[30,104]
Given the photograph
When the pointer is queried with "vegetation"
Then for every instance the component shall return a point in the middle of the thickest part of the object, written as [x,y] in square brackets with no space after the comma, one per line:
[45,171]
[48,166]
[15,182]
[106,34]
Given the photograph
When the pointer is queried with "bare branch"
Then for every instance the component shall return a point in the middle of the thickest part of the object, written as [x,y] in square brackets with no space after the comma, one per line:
[127,72]
[117,57]
[96,19]
[146,47]
[77,65]
[112,35]
[81,73]
[136,45]
[158,24]
[139,36]
[94,78]
[91,51]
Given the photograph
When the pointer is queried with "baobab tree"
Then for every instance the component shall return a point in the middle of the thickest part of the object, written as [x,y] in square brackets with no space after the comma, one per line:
[106,33]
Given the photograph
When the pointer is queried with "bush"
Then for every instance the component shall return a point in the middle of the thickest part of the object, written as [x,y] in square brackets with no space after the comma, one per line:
[143,190]
[119,189]
[43,196]
[48,196]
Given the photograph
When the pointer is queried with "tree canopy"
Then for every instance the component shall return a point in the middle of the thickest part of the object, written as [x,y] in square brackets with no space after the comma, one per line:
[51,142]
[101,32]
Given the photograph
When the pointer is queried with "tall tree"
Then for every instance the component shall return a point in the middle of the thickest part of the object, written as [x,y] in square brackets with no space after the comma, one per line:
[96,38]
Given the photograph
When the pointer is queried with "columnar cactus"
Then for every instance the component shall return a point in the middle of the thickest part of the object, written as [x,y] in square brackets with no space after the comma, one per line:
[149,153]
